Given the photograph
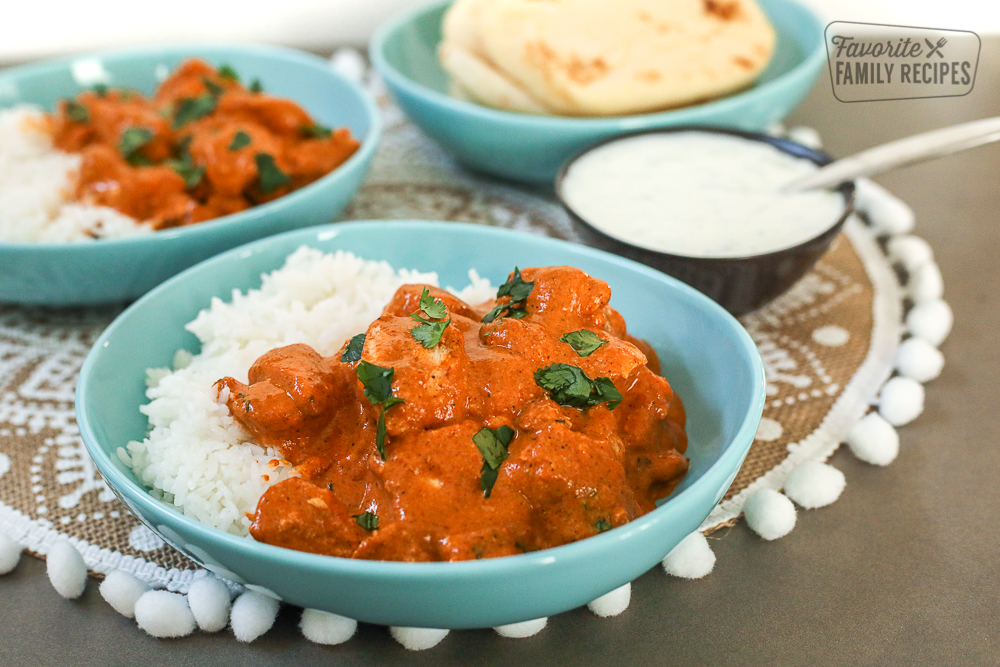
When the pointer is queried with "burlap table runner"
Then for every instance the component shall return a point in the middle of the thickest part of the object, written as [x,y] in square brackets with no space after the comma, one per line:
[826,345]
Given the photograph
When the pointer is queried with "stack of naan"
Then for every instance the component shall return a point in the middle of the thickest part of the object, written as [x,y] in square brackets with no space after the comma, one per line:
[602,57]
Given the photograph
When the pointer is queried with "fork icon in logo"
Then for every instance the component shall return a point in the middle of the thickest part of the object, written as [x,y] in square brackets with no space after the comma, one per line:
[935,48]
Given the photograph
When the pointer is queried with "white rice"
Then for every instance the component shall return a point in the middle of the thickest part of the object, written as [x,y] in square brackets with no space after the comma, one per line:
[36,186]
[196,455]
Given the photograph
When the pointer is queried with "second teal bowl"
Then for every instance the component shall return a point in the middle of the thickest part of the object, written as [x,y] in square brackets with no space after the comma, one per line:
[64,274]
[708,357]
[531,148]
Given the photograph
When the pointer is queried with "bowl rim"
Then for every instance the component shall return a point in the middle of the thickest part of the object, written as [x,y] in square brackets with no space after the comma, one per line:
[368,143]
[376,51]
[737,447]
[785,145]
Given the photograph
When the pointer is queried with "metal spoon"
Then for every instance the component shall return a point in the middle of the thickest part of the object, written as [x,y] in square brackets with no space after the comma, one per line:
[919,147]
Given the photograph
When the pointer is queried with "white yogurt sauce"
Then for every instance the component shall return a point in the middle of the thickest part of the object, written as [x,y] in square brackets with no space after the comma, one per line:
[698,194]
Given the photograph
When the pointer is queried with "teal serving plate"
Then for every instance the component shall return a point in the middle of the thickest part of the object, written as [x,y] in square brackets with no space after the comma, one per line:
[112,270]
[708,357]
[531,148]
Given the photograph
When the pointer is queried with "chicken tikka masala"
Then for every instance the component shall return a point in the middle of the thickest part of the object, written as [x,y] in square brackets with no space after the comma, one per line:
[452,432]
[203,146]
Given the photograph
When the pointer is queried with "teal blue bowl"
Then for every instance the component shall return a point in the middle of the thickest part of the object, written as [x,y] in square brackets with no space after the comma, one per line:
[532,148]
[62,274]
[707,356]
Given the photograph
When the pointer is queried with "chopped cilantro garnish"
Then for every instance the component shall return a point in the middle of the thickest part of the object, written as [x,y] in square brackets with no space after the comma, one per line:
[378,389]
[569,385]
[192,108]
[184,145]
[240,140]
[188,170]
[132,140]
[256,86]
[585,342]
[429,333]
[518,290]
[315,131]
[100,89]
[227,72]
[366,520]
[76,112]
[603,525]
[493,444]
[213,88]
[269,176]
[352,352]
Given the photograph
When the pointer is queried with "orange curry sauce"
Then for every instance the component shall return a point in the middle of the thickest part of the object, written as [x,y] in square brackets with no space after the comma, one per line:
[203,146]
[569,472]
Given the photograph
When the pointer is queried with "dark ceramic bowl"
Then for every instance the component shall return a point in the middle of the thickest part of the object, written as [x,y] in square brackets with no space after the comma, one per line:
[739,284]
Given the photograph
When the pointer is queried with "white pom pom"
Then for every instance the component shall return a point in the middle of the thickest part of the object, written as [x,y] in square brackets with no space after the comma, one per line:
[350,63]
[887,213]
[692,558]
[523,629]
[775,129]
[910,251]
[164,614]
[806,136]
[66,569]
[122,591]
[919,360]
[901,400]
[10,554]
[323,627]
[418,639]
[769,514]
[874,440]
[253,614]
[209,600]
[926,283]
[813,484]
[613,603]
[931,320]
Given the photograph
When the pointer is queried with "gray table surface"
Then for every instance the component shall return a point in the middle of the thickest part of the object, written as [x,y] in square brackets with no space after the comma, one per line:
[901,570]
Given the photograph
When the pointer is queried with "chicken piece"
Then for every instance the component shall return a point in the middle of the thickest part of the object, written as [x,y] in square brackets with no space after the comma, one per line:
[433,382]
[289,387]
[296,514]
[406,300]
[651,423]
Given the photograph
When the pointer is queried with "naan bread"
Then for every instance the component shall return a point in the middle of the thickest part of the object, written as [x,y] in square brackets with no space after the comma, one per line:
[603,58]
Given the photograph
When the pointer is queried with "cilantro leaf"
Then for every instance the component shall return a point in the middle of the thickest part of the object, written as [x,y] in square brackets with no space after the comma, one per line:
[428,333]
[227,72]
[493,444]
[366,520]
[378,388]
[188,170]
[433,308]
[76,112]
[376,380]
[240,140]
[214,89]
[603,525]
[100,89]
[518,290]
[269,176]
[315,131]
[569,386]
[585,342]
[352,352]
[192,108]
[516,287]
[132,140]
[256,86]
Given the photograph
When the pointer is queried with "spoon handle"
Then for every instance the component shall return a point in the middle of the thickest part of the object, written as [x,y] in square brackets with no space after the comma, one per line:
[919,147]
